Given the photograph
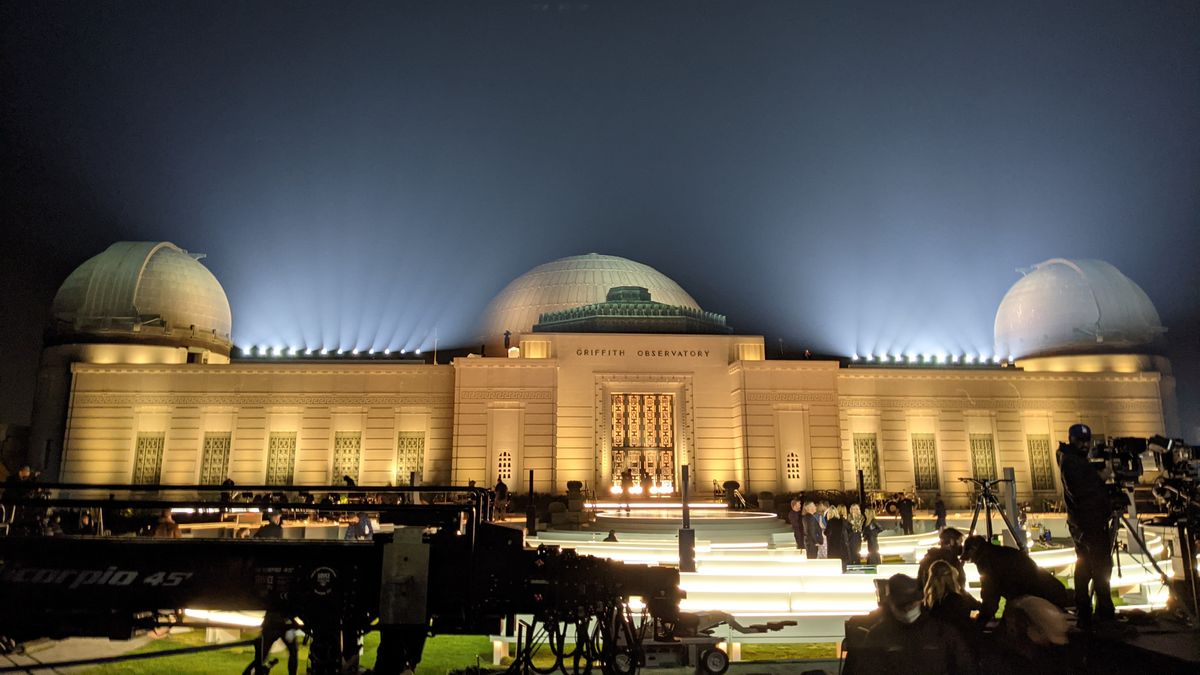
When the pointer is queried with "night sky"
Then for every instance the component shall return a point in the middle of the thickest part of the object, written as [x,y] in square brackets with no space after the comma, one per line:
[849,177]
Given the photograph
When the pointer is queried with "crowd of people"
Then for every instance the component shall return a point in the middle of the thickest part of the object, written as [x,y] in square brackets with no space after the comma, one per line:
[825,530]
[931,624]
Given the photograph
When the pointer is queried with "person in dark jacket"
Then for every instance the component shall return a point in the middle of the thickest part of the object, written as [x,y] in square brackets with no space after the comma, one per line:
[905,508]
[854,522]
[812,531]
[837,535]
[272,529]
[361,529]
[1008,573]
[908,640]
[1089,514]
[939,512]
[871,530]
[795,518]
[949,548]
[946,599]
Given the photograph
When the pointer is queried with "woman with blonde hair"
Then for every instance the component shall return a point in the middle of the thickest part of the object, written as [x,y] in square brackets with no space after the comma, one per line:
[945,597]
[855,520]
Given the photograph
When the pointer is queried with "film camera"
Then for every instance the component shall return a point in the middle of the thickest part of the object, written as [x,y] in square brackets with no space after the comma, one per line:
[1177,488]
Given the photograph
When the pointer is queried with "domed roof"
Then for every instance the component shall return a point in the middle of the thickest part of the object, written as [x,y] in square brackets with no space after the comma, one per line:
[1066,306]
[571,282]
[154,291]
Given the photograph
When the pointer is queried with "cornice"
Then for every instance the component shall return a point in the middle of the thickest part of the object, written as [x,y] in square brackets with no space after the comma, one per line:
[112,399]
[791,397]
[265,369]
[505,395]
[993,375]
[983,403]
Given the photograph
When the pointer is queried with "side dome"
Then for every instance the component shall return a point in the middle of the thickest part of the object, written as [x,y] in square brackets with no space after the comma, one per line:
[1066,306]
[146,292]
[572,282]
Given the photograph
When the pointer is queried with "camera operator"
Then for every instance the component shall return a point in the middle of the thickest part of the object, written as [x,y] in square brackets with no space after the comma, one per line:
[1089,512]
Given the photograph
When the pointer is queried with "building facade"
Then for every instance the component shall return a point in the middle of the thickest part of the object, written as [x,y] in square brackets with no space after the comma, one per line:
[585,406]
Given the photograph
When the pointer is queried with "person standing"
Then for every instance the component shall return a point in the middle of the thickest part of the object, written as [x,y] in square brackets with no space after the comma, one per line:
[627,490]
[871,530]
[939,512]
[837,536]
[795,518]
[905,507]
[1089,514]
[813,535]
[855,522]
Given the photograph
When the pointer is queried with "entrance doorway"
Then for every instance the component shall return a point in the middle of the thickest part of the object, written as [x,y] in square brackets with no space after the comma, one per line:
[643,442]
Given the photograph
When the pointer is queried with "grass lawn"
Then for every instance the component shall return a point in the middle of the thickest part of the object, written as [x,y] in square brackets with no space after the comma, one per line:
[442,654]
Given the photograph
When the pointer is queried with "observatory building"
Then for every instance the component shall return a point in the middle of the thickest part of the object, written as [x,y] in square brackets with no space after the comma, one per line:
[595,364]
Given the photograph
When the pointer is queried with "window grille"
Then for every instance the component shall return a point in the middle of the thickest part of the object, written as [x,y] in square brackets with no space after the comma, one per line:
[983,456]
[214,458]
[925,461]
[347,447]
[281,457]
[504,466]
[1041,467]
[791,466]
[866,459]
[147,458]
[410,456]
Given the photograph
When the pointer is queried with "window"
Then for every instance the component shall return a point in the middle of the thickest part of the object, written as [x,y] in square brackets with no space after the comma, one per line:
[791,466]
[410,456]
[281,457]
[347,446]
[925,466]
[1040,466]
[214,458]
[983,456]
[147,458]
[504,466]
[866,459]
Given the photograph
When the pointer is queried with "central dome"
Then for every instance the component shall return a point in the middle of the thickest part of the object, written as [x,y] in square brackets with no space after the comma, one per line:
[572,282]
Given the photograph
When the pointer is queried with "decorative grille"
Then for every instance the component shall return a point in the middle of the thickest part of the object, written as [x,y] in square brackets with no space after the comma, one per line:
[281,457]
[643,420]
[347,446]
[925,461]
[866,459]
[214,459]
[504,466]
[410,456]
[791,466]
[147,458]
[1040,464]
[983,456]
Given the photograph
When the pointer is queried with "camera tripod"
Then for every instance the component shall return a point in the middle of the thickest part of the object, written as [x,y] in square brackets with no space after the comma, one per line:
[986,501]
[1120,519]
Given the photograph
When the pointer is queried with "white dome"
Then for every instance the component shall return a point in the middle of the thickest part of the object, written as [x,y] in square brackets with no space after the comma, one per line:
[148,291]
[571,282]
[1074,306]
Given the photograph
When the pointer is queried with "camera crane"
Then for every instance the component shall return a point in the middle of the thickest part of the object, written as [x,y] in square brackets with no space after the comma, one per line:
[986,501]
[443,569]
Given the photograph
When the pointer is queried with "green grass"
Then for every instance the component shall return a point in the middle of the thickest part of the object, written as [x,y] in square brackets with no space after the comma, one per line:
[443,654]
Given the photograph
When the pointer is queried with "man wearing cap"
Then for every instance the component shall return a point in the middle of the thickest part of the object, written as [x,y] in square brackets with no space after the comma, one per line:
[907,640]
[1089,511]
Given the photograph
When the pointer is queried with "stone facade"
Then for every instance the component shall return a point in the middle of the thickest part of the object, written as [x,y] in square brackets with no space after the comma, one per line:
[727,412]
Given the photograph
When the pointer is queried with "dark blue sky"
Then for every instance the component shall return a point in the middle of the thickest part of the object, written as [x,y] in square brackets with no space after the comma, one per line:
[846,176]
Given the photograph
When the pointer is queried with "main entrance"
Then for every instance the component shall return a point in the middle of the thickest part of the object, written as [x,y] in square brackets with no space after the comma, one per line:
[643,441]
